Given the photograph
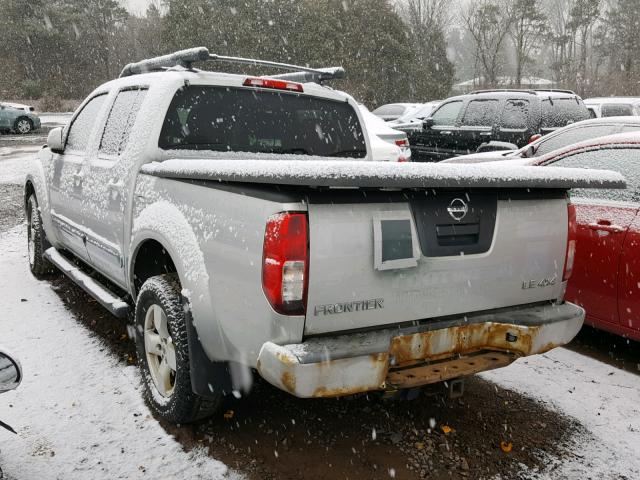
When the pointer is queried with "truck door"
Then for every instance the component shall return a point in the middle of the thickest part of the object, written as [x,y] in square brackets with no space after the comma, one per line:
[109,173]
[68,185]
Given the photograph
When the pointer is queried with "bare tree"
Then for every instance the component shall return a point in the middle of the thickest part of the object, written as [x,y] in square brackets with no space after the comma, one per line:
[526,29]
[487,22]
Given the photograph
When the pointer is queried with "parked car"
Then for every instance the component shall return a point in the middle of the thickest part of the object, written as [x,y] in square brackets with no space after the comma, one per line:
[18,119]
[606,271]
[376,127]
[614,106]
[392,111]
[574,133]
[414,117]
[462,124]
[252,236]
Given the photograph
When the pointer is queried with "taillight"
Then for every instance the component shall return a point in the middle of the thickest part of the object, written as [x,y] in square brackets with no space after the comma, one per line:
[535,137]
[285,263]
[571,242]
[272,83]
[404,143]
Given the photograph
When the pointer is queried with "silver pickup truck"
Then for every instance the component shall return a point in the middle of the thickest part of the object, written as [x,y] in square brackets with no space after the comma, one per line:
[241,223]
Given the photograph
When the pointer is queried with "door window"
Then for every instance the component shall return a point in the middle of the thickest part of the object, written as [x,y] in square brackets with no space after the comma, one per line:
[481,113]
[573,135]
[447,114]
[617,110]
[515,114]
[81,128]
[623,160]
[121,120]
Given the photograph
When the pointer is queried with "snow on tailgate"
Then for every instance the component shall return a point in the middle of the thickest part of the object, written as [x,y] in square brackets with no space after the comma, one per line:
[349,173]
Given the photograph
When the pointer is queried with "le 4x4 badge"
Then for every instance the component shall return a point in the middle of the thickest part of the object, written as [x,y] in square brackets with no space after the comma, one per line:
[545,282]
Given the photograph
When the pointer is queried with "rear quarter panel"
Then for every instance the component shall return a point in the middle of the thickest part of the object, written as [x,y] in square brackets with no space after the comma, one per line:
[216,239]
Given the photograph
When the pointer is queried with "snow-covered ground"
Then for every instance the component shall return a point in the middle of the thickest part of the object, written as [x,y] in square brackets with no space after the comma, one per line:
[603,398]
[79,413]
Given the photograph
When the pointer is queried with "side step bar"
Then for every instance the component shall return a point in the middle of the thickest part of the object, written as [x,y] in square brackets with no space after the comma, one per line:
[106,298]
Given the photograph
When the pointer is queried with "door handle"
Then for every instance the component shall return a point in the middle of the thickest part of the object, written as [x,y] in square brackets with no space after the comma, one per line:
[606,226]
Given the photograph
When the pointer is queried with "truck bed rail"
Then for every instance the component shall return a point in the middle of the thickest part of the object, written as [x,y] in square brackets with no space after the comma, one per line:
[359,174]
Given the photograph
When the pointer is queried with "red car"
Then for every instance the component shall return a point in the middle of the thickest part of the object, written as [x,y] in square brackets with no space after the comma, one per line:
[606,271]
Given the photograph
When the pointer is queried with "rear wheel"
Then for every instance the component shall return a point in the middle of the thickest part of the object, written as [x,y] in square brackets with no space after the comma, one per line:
[36,240]
[163,353]
[23,125]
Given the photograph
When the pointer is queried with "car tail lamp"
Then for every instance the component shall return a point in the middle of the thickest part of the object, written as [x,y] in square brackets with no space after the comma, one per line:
[285,263]
[404,143]
[571,242]
[535,137]
[272,83]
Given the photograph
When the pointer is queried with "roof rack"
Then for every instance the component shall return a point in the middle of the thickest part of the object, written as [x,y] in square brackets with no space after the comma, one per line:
[558,90]
[499,90]
[186,59]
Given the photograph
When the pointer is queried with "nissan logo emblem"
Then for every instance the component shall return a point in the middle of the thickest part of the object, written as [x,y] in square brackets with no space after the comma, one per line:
[458,209]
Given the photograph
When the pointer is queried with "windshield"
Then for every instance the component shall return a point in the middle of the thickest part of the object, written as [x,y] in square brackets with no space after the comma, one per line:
[421,112]
[248,120]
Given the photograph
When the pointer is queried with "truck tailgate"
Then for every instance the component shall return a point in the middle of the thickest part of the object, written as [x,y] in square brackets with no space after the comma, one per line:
[403,257]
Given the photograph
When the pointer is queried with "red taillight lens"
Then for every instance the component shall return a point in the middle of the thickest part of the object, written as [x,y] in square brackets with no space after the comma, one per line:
[571,243]
[271,83]
[285,263]
[404,143]
[535,137]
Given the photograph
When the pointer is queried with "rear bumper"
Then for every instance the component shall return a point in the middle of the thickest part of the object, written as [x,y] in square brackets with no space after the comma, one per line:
[418,355]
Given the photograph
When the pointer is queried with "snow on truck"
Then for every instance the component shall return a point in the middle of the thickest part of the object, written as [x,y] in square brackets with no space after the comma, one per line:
[242,224]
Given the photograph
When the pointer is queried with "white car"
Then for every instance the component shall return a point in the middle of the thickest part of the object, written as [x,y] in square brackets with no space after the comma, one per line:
[378,129]
[392,111]
[414,117]
[614,106]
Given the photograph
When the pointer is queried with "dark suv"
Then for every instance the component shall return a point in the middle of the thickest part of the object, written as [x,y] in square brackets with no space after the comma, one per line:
[462,124]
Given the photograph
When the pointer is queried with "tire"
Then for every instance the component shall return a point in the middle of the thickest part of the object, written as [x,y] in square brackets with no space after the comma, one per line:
[37,241]
[23,125]
[161,325]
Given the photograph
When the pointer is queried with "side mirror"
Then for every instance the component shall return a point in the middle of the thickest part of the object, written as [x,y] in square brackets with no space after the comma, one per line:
[428,123]
[54,140]
[10,373]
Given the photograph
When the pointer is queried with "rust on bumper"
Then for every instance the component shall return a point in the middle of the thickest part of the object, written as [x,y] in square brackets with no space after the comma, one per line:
[410,360]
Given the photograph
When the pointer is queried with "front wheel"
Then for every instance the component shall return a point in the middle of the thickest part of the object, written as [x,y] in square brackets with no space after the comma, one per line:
[163,353]
[23,125]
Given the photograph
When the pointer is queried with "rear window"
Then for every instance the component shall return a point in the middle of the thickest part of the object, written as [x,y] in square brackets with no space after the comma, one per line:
[389,110]
[559,112]
[248,120]
[573,135]
[616,110]
[481,113]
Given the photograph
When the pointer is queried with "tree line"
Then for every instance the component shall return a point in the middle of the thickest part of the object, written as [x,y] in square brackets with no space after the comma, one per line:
[590,46]
[65,48]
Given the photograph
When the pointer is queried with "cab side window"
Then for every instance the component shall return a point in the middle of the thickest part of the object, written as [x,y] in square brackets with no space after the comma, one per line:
[121,120]
[80,129]
[623,160]
[481,113]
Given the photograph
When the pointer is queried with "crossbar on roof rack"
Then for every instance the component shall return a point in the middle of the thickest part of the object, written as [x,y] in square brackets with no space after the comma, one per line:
[186,59]
[498,90]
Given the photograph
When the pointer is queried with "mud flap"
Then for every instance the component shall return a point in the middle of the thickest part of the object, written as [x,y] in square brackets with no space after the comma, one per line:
[208,378]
